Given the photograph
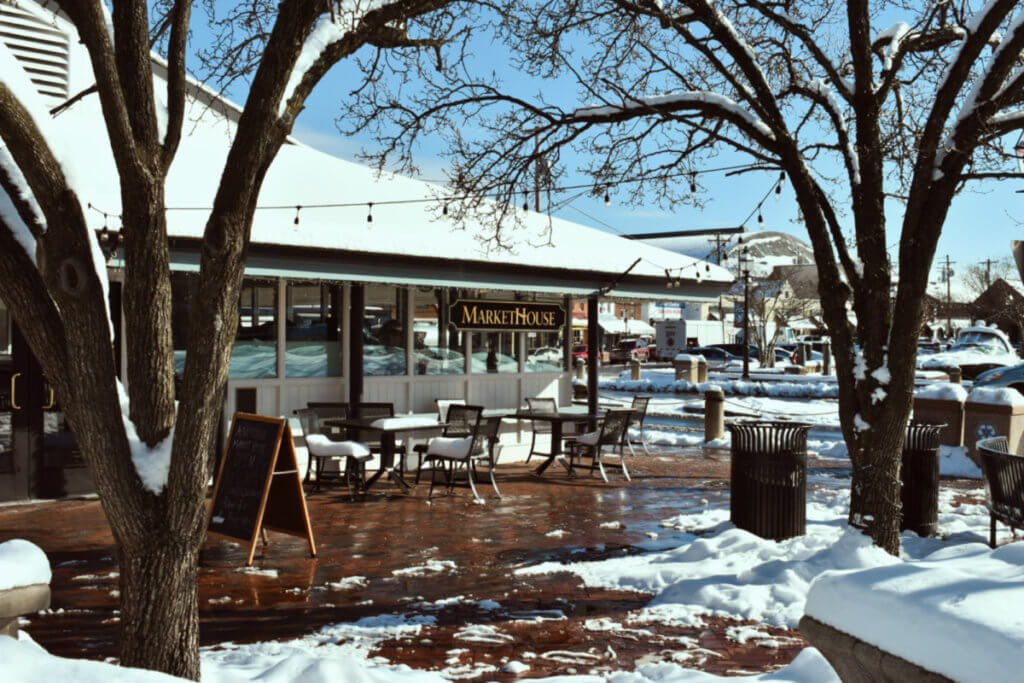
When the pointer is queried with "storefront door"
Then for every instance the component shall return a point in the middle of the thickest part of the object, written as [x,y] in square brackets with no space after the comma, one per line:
[38,454]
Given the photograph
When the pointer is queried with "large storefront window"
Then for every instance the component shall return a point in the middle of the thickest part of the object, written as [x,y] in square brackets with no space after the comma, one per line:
[437,347]
[495,352]
[183,289]
[313,331]
[384,331]
[543,352]
[255,352]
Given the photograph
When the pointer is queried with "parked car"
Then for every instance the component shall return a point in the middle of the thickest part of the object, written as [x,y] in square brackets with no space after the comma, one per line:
[627,350]
[716,357]
[737,350]
[579,354]
[1009,377]
[977,350]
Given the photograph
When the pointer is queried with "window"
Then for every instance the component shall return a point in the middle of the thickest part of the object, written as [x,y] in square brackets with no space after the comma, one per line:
[543,352]
[437,347]
[494,352]
[384,330]
[183,290]
[255,352]
[313,331]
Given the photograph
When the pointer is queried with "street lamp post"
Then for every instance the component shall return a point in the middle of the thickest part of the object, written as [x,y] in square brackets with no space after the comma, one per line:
[744,267]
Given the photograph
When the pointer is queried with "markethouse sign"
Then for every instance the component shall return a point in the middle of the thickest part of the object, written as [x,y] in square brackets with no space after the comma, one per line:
[506,316]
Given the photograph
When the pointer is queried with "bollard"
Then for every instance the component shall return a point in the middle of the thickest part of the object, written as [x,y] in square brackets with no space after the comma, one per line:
[702,370]
[686,367]
[955,375]
[580,370]
[801,354]
[634,370]
[826,357]
[714,414]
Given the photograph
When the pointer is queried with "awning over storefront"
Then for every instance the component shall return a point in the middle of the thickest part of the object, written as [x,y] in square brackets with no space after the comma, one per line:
[616,326]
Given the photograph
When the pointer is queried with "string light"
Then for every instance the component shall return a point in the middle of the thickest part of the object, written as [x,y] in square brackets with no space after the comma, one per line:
[607,198]
[760,218]
[297,209]
[526,201]
[369,214]
[444,211]
[693,182]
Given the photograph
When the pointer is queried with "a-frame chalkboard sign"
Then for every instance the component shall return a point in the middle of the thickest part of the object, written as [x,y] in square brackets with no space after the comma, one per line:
[258,484]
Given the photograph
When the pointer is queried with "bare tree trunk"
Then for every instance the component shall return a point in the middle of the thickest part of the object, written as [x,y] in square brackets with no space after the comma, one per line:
[159,606]
[875,490]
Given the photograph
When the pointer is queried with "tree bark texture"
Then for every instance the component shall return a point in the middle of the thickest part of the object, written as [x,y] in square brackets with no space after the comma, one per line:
[159,605]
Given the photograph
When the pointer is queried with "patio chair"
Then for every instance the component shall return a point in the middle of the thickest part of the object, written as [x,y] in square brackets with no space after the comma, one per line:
[324,410]
[322,448]
[372,438]
[639,409]
[458,426]
[540,405]
[454,452]
[442,406]
[592,444]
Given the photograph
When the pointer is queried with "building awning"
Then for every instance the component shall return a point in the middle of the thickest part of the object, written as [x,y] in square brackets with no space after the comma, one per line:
[617,326]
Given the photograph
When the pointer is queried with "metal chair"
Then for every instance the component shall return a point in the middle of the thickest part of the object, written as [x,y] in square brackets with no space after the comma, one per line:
[443,404]
[639,408]
[322,448]
[458,426]
[540,405]
[453,452]
[591,444]
[324,410]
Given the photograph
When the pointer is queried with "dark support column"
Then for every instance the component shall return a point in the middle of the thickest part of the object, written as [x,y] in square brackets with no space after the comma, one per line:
[27,422]
[593,353]
[567,335]
[355,343]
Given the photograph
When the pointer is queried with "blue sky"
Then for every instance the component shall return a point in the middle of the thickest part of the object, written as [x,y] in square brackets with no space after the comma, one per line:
[980,223]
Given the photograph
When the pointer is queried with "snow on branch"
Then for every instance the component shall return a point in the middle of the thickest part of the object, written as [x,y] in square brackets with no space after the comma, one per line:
[331,28]
[890,40]
[700,100]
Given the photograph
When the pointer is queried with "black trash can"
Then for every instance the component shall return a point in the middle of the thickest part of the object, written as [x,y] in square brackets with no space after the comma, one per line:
[919,475]
[768,490]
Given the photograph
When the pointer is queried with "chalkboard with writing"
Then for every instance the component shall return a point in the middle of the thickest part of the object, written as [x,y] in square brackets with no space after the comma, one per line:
[258,485]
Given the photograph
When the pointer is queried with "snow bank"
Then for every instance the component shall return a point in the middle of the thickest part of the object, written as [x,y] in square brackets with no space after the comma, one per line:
[953,462]
[26,662]
[691,357]
[944,391]
[996,397]
[955,359]
[737,387]
[22,563]
[959,610]
[731,572]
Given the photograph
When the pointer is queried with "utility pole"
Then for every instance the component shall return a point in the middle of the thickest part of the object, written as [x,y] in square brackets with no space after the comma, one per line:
[948,274]
[744,266]
[988,273]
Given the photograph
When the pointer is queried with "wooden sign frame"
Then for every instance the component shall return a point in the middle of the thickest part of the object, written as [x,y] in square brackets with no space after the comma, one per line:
[282,505]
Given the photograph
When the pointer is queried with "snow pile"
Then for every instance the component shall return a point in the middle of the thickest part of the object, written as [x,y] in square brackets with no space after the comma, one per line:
[970,356]
[943,391]
[996,396]
[152,464]
[658,383]
[731,572]
[22,563]
[953,462]
[965,605]
[26,662]
[691,357]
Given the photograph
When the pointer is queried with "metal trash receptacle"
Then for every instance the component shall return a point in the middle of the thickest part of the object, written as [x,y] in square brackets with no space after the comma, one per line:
[919,476]
[768,484]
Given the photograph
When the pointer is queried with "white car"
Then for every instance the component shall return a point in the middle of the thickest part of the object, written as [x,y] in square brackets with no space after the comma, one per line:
[977,349]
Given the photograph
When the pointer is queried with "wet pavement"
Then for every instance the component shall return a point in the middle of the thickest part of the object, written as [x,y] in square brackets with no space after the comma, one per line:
[449,559]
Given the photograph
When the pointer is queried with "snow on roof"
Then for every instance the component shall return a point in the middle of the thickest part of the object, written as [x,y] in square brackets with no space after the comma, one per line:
[303,176]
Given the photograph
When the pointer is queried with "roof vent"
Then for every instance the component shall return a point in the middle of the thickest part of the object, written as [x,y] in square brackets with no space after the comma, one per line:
[40,47]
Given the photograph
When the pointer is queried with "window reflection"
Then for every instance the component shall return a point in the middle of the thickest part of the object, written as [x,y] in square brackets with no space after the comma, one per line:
[383,331]
[313,331]
[543,352]
[437,347]
[255,353]
[494,352]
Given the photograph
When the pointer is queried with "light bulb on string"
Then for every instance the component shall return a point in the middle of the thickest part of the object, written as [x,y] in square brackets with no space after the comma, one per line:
[607,198]
[760,218]
[693,182]
[297,209]
[526,201]
[444,210]
[369,215]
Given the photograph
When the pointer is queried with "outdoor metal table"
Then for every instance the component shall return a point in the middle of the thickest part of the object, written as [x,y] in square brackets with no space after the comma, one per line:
[387,441]
[557,419]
